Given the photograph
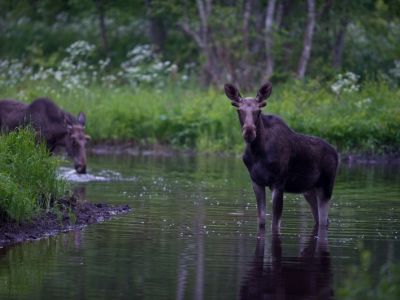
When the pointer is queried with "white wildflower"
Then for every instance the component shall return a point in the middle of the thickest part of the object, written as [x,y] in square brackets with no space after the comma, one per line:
[347,82]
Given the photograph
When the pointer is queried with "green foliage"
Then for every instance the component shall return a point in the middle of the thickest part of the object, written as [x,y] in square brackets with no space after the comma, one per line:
[78,70]
[28,177]
[38,32]
[366,120]
[362,283]
[32,261]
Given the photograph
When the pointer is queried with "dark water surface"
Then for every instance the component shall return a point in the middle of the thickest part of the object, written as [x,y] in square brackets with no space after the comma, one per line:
[193,235]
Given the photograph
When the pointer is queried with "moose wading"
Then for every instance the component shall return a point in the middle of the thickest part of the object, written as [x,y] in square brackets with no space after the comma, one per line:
[283,160]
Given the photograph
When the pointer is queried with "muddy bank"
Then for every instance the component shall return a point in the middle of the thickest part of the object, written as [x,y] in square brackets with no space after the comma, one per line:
[133,148]
[71,215]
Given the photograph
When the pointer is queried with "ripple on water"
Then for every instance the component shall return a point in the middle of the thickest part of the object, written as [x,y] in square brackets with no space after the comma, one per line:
[70,174]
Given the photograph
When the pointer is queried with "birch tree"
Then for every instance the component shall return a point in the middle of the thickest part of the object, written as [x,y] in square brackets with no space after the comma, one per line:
[202,38]
[269,37]
[308,39]
[102,24]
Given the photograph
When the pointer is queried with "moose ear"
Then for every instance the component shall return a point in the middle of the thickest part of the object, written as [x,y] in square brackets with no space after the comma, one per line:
[263,93]
[68,122]
[82,119]
[232,93]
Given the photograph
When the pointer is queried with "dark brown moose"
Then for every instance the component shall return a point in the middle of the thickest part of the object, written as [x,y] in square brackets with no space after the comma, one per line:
[283,160]
[55,126]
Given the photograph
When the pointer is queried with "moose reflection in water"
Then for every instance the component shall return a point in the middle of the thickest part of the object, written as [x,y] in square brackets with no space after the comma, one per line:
[307,276]
[54,126]
[283,160]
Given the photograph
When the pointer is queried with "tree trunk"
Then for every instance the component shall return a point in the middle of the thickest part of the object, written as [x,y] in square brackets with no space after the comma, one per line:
[269,21]
[337,56]
[210,70]
[202,39]
[283,17]
[248,5]
[283,11]
[102,24]
[308,40]
[325,10]
[156,30]
[258,42]
[325,19]
[244,66]
[279,14]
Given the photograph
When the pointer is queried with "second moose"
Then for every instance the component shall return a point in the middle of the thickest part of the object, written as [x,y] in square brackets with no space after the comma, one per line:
[283,160]
[53,125]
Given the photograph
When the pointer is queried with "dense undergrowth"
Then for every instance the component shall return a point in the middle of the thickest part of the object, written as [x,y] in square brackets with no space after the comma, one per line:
[28,176]
[361,118]
[147,100]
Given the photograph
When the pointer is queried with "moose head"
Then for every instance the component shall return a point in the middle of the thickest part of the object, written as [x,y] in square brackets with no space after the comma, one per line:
[75,141]
[249,109]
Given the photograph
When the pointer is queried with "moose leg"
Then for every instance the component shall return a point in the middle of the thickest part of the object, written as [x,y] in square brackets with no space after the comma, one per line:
[260,196]
[322,241]
[277,206]
[323,207]
[312,200]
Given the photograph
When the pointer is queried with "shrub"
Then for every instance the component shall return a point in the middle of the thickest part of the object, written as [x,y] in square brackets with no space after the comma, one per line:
[78,70]
[28,176]
[364,120]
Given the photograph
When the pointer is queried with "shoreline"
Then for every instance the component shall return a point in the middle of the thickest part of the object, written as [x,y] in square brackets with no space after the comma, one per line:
[73,215]
[132,148]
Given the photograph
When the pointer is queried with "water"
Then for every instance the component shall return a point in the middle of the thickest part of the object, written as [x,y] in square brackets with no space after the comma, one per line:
[193,235]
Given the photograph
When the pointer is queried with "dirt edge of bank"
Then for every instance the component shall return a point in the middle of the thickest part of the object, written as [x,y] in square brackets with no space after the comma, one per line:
[71,215]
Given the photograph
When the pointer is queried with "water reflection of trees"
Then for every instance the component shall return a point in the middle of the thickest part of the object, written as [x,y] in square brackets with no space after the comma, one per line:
[24,267]
[307,276]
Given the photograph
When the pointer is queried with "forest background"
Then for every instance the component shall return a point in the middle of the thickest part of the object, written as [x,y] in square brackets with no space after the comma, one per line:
[153,71]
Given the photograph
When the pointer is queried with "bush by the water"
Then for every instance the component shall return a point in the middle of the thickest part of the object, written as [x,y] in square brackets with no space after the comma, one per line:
[28,176]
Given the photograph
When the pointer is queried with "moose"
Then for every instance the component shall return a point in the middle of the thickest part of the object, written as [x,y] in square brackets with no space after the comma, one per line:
[54,126]
[283,160]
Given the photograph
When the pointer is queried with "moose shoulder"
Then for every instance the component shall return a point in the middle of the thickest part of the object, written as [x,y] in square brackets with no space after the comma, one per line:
[283,160]
[53,125]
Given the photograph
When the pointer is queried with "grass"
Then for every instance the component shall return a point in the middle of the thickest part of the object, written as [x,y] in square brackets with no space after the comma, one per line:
[28,178]
[366,121]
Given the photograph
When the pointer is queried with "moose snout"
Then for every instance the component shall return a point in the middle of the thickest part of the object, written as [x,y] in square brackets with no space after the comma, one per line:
[80,168]
[249,133]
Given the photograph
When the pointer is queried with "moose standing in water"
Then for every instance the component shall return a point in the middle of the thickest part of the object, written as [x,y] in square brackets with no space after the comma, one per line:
[283,160]
[53,125]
